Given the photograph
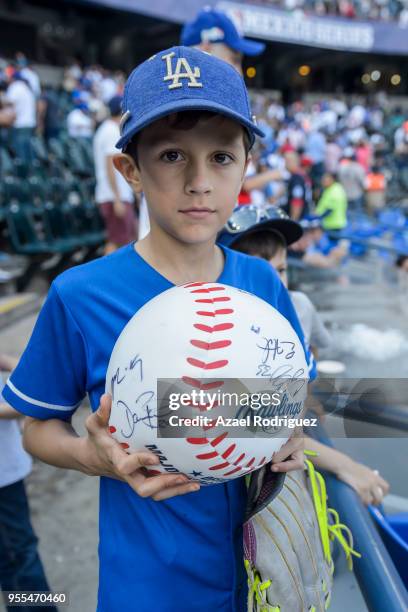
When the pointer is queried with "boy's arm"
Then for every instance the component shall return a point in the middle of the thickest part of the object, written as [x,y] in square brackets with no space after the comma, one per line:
[369,485]
[7,412]
[98,454]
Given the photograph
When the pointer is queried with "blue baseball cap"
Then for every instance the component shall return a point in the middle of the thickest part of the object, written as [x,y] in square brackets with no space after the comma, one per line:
[183,79]
[216,27]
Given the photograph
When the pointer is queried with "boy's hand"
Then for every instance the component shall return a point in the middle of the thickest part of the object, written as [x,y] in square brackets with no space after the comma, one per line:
[103,456]
[290,456]
[369,485]
[119,209]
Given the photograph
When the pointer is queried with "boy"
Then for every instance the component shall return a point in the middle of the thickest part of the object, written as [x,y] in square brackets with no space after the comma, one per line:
[185,553]
[269,240]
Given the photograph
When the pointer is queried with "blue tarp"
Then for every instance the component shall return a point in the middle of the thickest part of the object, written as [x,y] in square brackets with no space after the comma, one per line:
[276,25]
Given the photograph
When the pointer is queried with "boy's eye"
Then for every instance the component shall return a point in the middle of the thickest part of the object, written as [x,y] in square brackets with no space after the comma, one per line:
[222,158]
[171,156]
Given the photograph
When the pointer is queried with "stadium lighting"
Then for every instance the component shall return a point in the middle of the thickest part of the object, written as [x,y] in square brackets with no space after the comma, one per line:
[251,72]
[366,78]
[395,79]
[304,70]
[375,75]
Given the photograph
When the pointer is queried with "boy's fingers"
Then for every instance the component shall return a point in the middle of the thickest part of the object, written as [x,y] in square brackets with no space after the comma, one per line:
[127,464]
[190,487]
[151,487]
[294,462]
[293,445]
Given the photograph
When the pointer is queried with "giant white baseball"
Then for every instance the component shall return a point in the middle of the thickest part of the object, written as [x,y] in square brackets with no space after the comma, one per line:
[203,334]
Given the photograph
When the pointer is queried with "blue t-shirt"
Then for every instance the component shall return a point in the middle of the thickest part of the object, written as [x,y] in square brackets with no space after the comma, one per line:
[185,553]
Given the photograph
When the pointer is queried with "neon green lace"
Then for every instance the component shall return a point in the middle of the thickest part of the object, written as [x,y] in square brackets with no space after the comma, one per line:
[329,532]
[257,590]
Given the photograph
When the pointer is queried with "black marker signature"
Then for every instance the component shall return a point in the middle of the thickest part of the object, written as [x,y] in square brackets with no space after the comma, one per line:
[273,347]
[120,376]
[148,416]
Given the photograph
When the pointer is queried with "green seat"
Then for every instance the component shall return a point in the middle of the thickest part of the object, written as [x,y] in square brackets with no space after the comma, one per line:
[29,233]
[6,163]
[15,191]
[58,228]
[37,189]
[39,149]
[26,237]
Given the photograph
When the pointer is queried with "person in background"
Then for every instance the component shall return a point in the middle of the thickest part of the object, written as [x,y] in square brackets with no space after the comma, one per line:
[269,240]
[213,32]
[21,568]
[315,248]
[353,179]
[21,96]
[80,124]
[298,194]
[49,114]
[28,73]
[316,150]
[376,186]
[332,206]
[113,194]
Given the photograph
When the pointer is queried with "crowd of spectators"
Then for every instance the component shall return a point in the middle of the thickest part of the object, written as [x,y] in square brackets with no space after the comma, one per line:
[380,10]
[321,162]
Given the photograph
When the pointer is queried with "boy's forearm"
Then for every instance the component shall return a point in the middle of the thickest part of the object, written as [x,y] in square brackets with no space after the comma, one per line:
[7,412]
[328,458]
[55,442]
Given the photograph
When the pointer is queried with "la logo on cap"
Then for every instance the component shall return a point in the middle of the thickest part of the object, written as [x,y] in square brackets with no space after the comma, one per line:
[177,74]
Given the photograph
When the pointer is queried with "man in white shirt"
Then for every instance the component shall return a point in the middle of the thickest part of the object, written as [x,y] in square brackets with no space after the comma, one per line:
[79,122]
[20,95]
[113,194]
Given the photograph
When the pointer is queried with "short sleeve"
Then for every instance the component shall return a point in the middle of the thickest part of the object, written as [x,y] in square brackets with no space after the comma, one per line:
[111,137]
[50,379]
[286,307]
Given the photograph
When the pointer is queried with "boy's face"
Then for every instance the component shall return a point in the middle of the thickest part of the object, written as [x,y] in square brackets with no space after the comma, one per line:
[191,178]
[279,262]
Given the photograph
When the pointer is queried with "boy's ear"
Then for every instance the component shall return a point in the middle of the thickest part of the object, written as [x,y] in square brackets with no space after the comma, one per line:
[125,164]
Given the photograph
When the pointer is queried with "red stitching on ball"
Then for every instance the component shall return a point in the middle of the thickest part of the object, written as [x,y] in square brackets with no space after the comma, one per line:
[197,440]
[215,328]
[124,445]
[193,382]
[208,455]
[262,461]
[112,429]
[240,458]
[229,450]
[193,285]
[219,439]
[221,311]
[208,289]
[209,346]
[220,466]
[250,462]
[213,300]
[234,471]
[212,365]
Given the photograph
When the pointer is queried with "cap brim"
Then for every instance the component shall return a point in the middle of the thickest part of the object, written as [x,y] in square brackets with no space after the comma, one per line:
[180,106]
[247,47]
[290,230]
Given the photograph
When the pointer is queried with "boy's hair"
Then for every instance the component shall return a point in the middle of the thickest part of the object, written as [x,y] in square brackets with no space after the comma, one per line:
[186,120]
[263,243]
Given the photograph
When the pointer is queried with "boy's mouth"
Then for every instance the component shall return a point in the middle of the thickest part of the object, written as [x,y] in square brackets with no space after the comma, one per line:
[197,213]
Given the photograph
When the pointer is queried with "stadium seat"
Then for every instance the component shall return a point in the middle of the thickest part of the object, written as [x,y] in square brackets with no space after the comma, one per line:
[29,232]
[15,190]
[6,163]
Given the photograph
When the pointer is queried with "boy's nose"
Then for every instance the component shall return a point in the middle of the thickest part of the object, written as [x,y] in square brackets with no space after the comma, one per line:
[197,181]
